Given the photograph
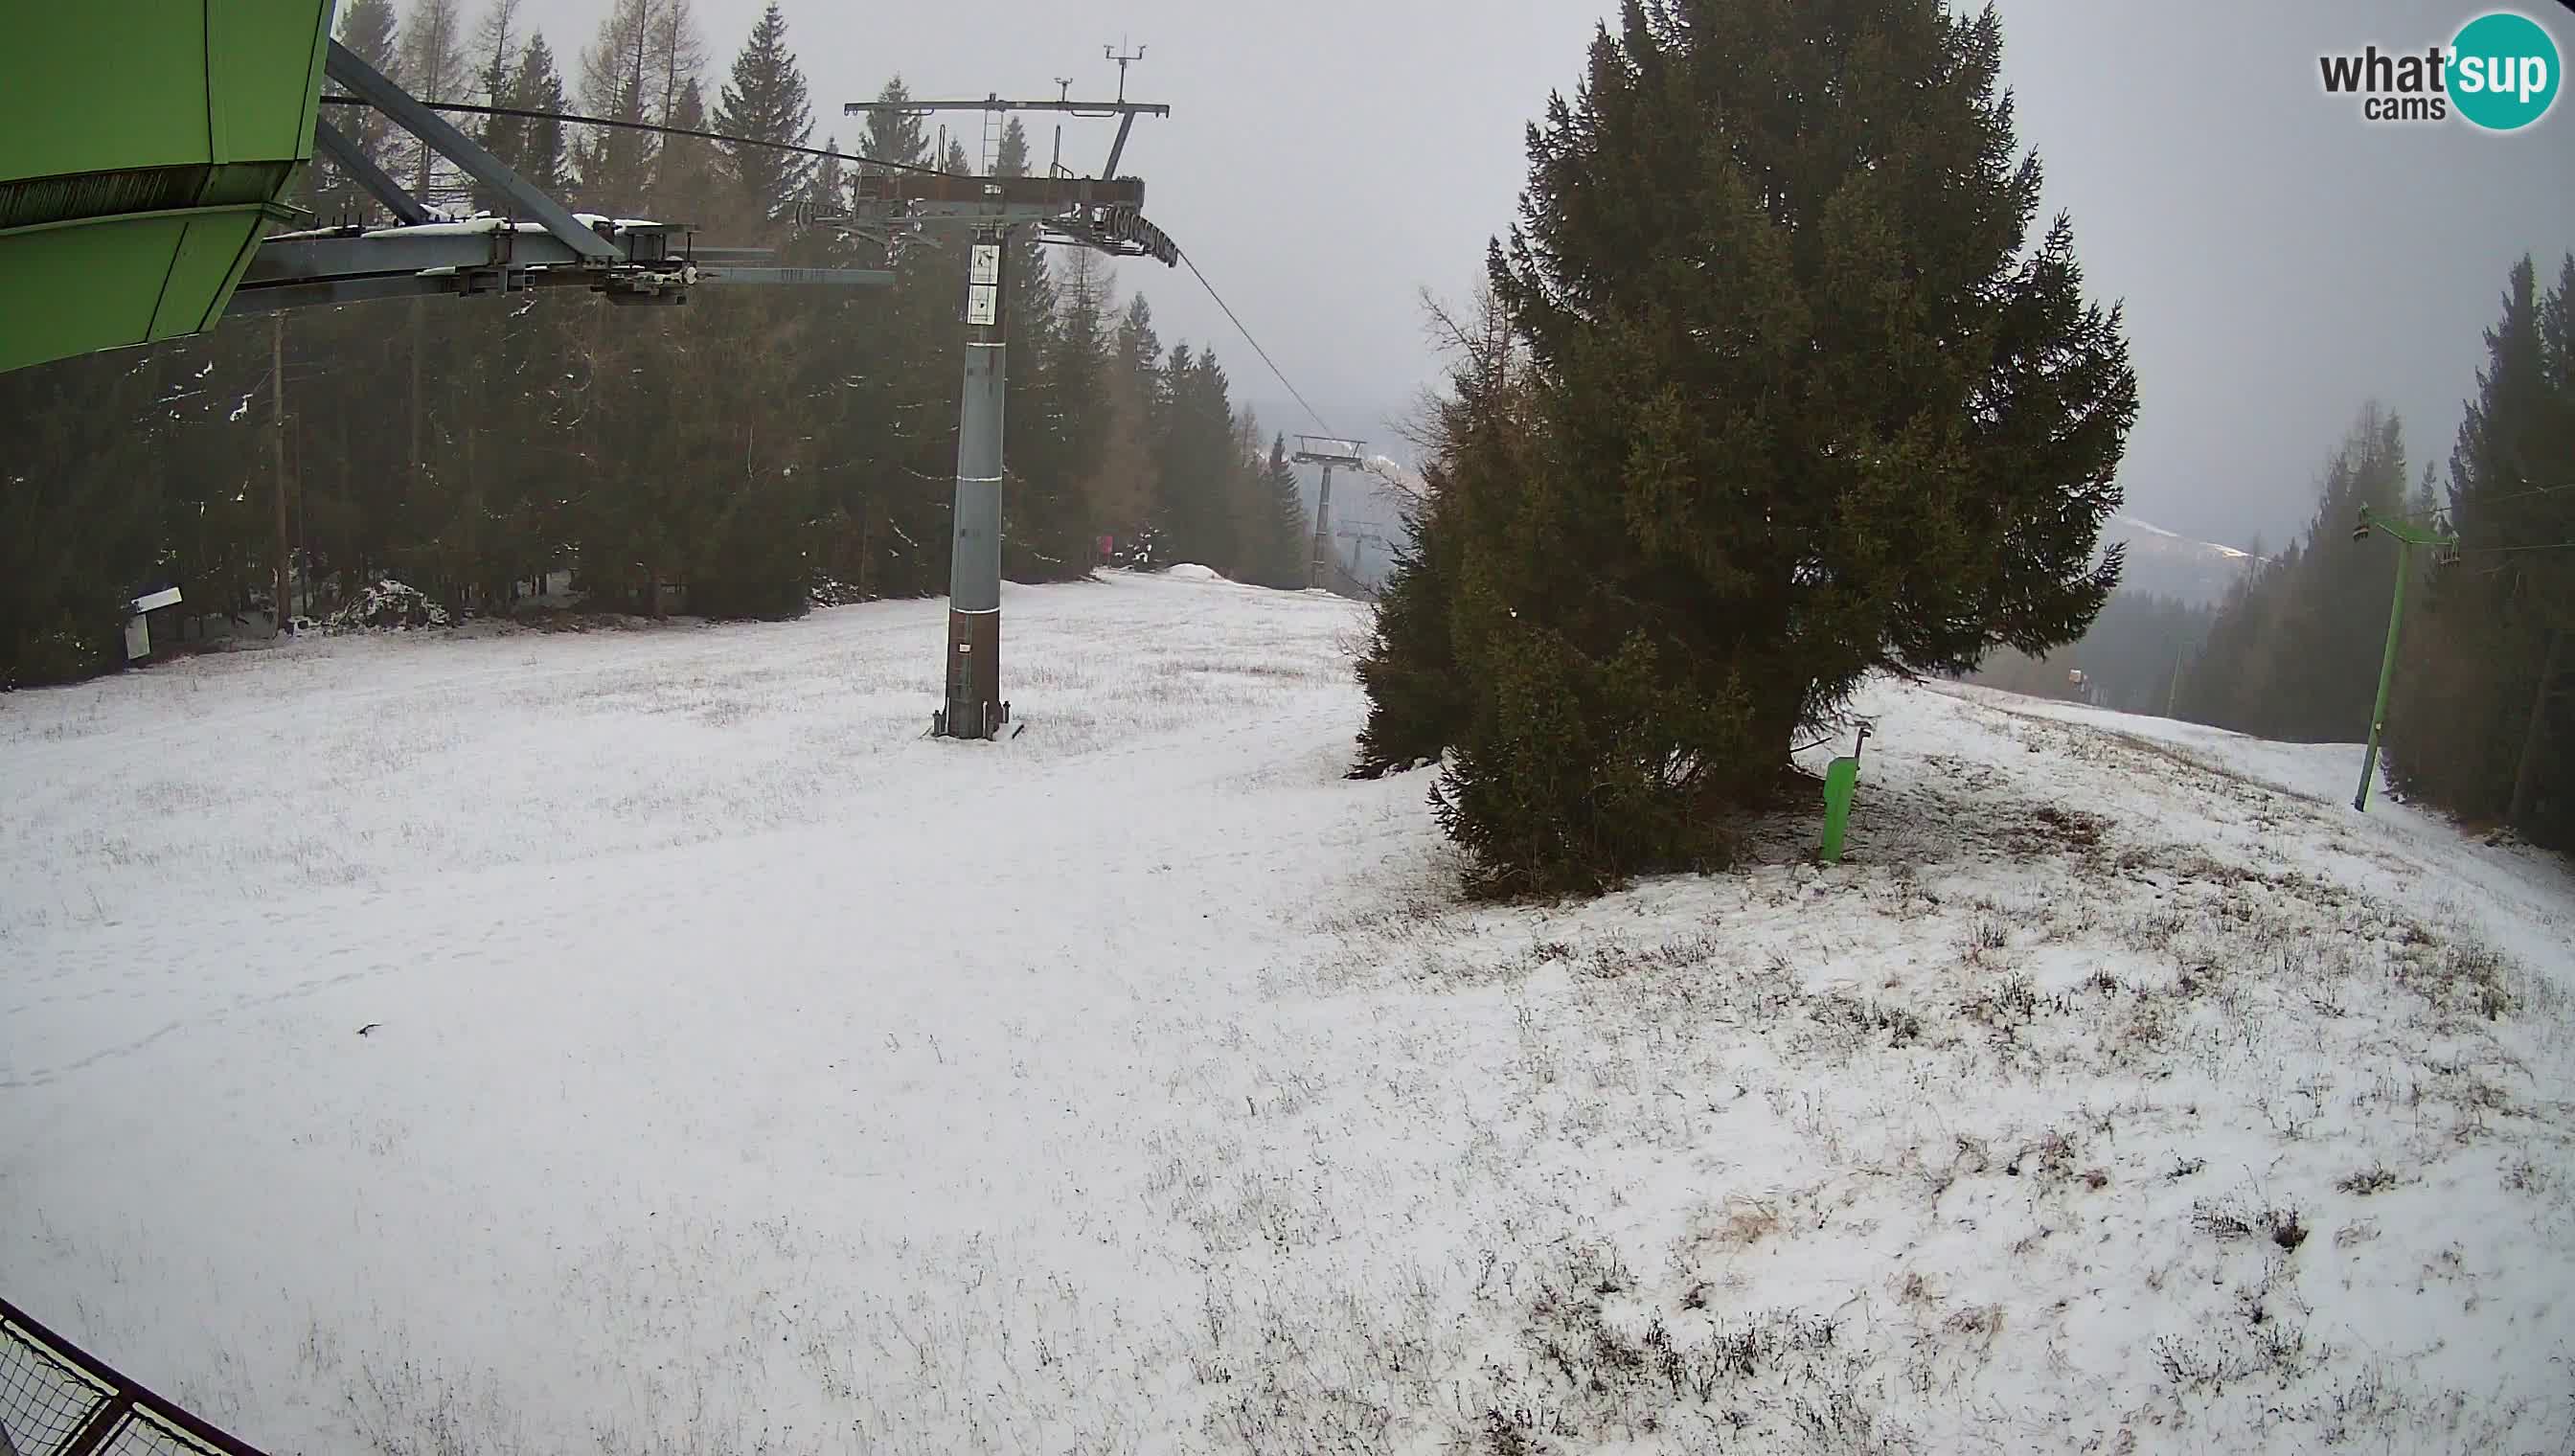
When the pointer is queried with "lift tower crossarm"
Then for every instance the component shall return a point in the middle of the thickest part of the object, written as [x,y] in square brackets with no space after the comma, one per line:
[1000,103]
[1125,111]
[2404,531]
[371,86]
[1090,212]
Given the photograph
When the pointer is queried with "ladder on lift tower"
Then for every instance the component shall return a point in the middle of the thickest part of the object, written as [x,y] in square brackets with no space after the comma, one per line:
[995,124]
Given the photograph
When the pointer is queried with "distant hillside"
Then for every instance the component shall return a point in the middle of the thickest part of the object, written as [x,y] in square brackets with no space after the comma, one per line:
[2166,563]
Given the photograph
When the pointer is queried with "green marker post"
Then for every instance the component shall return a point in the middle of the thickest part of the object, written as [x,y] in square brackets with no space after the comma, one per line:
[1841,776]
[2407,538]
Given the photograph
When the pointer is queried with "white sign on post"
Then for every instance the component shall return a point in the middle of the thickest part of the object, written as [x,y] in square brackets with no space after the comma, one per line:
[982,303]
[987,265]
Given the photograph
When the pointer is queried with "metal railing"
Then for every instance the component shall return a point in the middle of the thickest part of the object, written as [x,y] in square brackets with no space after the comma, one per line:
[58,1400]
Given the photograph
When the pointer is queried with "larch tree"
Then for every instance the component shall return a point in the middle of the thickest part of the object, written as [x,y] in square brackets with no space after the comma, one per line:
[433,68]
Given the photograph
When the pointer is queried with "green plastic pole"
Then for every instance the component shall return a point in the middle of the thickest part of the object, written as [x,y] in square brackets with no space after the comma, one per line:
[1840,776]
[2386,674]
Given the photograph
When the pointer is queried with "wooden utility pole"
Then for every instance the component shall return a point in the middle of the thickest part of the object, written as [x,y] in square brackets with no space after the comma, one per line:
[277,438]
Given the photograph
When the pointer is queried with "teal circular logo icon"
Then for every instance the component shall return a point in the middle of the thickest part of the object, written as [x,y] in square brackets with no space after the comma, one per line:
[2503,71]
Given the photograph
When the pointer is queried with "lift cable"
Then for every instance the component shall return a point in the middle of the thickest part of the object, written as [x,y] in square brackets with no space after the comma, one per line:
[525,114]
[2501,550]
[530,114]
[1254,342]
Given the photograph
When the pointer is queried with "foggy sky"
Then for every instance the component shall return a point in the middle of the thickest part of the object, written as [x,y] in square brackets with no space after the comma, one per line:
[2281,260]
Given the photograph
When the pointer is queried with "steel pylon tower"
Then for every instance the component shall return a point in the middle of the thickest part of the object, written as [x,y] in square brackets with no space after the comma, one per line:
[975,707]
[1101,213]
[1331,453]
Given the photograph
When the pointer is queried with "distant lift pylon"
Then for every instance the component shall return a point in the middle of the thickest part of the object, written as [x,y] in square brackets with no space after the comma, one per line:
[1331,453]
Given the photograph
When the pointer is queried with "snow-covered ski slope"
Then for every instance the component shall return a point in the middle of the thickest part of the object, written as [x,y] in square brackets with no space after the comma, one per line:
[749,1074]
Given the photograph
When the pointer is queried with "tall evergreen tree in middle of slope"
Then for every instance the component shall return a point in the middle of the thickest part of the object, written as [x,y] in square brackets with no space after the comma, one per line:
[1811,404]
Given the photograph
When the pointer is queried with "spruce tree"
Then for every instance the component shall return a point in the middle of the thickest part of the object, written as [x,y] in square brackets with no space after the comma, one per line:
[894,136]
[1032,292]
[1198,466]
[543,159]
[1418,705]
[2294,651]
[1418,702]
[1284,503]
[1076,381]
[1139,347]
[1812,402]
[2486,705]
[766,101]
[1127,487]
[689,185]
[827,187]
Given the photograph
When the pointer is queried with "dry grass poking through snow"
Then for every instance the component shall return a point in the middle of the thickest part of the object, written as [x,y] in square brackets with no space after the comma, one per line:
[2094,1124]
[2117,1095]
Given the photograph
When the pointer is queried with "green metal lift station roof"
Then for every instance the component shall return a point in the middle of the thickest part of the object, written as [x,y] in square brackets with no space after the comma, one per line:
[145,145]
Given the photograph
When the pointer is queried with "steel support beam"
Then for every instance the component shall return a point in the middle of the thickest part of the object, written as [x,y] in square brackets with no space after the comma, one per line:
[997,103]
[1117,148]
[372,86]
[401,249]
[801,277]
[483,243]
[377,181]
[1046,194]
[308,271]
[324,292]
